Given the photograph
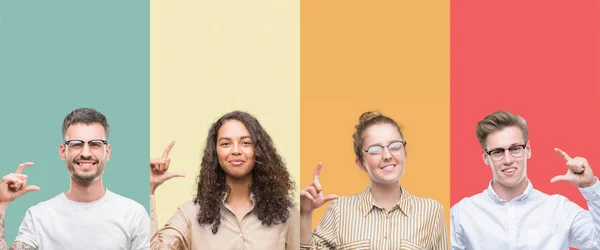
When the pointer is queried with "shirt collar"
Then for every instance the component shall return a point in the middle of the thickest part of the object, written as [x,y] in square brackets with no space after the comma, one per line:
[368,203]
[526,194]
[225,194]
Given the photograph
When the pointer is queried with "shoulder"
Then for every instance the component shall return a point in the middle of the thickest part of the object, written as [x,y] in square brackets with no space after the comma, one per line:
[47,205]
[426,206]
[426,202]
[294,215]
[467,202]
[189,205]
[125,204]
[345,201]
[189,209]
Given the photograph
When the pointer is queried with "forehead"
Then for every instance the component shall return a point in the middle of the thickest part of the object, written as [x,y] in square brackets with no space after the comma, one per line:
[81,131]
[505,137]
[381,133]
[233,129]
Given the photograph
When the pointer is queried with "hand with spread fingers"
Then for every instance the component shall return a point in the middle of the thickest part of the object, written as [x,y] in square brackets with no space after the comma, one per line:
[15,184]
[312,197]
[578,171]
[159,167]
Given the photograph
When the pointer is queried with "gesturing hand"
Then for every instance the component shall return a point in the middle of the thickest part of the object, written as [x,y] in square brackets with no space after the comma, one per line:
[578,171]
[15,184]
[312,197]
[159,167]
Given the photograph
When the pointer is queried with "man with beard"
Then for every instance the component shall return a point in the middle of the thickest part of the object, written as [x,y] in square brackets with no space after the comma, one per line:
[87,216]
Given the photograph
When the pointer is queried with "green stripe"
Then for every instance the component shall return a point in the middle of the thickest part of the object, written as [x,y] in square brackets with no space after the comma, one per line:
[56,56]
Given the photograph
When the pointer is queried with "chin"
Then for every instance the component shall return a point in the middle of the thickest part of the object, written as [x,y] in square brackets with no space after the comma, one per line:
[86,178]
[387,180]
[237,174]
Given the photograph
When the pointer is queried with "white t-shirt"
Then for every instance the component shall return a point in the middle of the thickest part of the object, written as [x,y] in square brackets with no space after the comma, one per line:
[112,222]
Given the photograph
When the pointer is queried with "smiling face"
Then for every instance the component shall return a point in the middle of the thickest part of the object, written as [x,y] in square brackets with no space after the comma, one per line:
[235,149]
[510,171]
[85,161]
[386,167]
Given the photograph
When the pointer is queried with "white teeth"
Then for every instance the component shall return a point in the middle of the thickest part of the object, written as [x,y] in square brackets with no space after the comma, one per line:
[510,170]
[389,167]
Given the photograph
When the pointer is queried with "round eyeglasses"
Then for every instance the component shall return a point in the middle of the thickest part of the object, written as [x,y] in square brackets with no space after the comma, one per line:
[394,147]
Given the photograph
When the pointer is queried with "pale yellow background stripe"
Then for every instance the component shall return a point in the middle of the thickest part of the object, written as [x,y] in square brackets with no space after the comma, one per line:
[208,58]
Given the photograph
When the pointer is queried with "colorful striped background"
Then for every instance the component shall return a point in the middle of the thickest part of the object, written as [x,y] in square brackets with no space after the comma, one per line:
[55,57]
[212,57]
[358,56]
[538,59]
[307,70]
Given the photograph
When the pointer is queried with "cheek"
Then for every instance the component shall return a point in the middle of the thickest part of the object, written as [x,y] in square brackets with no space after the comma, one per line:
[371,163]
[249,153]
[222,154]
[494,167]
[400,158]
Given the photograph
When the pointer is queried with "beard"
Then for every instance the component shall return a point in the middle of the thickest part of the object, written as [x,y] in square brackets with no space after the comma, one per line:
[86,179]
[87,176]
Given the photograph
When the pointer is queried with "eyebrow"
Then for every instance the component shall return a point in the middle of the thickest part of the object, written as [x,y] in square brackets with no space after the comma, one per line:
[241,138]
[385,144]
[511,145]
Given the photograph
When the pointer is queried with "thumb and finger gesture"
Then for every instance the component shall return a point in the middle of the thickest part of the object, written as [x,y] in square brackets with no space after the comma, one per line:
[159,167]
[312,196]
[15,184]
[578,173]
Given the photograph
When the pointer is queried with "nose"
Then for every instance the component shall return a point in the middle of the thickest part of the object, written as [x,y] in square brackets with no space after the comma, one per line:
[386,154]
[508,158]
[236,149]
[86,151]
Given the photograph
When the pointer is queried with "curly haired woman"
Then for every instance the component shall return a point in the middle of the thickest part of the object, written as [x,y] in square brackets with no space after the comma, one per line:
[244,198]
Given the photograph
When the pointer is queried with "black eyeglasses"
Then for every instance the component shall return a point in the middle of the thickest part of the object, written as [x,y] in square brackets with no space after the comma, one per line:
[498,154]
[77,145]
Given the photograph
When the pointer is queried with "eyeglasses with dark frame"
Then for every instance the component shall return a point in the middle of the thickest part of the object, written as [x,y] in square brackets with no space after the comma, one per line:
[77,145]
[498,154]
[394,147]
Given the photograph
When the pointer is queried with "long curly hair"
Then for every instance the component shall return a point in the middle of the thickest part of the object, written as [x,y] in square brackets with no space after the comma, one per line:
[272,186]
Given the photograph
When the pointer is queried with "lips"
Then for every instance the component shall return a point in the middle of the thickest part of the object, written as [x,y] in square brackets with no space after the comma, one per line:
[86,164]
[237,163]
[388,167]
[509,171]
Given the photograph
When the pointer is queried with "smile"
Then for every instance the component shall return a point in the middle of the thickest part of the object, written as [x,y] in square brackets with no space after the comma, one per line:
[86,164]
[509,170]
[237,163]
[389,167]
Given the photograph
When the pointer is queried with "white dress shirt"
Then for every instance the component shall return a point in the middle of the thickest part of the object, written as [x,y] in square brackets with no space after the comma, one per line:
[533,220]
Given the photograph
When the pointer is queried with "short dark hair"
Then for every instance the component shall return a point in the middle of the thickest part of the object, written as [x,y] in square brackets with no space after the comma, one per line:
[86,116]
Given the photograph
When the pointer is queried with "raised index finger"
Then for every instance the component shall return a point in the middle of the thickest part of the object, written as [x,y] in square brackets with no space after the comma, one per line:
[318,171]
[168,150]
[22,166]
[563,154]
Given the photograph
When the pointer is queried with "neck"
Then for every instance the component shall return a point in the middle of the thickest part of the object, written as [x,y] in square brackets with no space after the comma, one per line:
[509,193]
[386,195]
[239,189]
[86,192]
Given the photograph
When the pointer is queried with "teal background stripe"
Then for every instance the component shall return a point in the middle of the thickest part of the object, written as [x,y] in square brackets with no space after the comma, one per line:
[56,56]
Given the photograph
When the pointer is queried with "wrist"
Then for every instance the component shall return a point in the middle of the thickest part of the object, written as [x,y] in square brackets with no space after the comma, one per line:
[588,183]
[304,214]
[152,189]
[3,206]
